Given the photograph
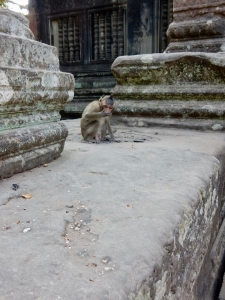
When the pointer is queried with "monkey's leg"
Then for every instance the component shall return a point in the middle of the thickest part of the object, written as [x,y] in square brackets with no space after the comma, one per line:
[108,125]
[91,131]
[103,129]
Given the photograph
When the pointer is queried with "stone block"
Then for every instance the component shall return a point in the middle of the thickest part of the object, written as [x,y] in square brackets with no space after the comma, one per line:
[179,88]
[32,92]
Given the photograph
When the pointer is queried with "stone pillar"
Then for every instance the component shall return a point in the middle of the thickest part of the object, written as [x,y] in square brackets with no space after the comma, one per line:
[199,25]
[32,92]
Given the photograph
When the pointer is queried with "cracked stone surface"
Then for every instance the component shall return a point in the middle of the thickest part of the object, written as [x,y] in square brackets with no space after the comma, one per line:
[126,220]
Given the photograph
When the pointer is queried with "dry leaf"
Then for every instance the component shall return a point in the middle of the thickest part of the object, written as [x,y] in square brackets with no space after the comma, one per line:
[45,165]
[128,205]
[18,222]
[27,196]
[91,280]
[94,265]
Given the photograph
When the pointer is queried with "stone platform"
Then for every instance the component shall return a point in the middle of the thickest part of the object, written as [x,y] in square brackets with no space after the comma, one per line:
[139,219]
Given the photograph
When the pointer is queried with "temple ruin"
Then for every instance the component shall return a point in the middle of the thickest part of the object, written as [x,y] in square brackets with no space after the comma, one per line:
[138,220]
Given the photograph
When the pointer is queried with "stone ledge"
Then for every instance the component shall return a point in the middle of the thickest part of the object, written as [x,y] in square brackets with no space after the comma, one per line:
[29,160]
[171,92]
[21,149]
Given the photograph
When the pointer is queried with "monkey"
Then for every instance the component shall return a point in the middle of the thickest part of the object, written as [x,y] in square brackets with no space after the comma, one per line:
[95,120]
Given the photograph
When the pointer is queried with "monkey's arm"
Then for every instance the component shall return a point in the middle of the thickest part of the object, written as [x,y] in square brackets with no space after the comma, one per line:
[96,115]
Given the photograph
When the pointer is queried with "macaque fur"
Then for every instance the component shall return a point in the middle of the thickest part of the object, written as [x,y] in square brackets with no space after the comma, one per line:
[95,120]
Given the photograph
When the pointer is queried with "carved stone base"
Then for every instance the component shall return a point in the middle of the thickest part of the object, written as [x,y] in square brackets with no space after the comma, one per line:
[32,92]
[179,88]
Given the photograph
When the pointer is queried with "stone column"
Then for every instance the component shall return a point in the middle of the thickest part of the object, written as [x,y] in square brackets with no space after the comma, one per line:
[32,92]
[199,25]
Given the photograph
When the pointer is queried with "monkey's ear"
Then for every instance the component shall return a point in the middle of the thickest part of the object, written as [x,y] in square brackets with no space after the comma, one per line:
[101,98]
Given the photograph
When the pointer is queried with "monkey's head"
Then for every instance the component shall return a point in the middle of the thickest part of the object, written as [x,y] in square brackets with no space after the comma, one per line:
[107,104]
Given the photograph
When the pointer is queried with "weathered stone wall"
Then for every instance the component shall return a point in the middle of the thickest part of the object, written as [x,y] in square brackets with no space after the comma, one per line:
[190,267]
[32,91]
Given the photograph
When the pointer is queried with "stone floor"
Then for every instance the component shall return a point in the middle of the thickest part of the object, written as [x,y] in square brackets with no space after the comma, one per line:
[94,224]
